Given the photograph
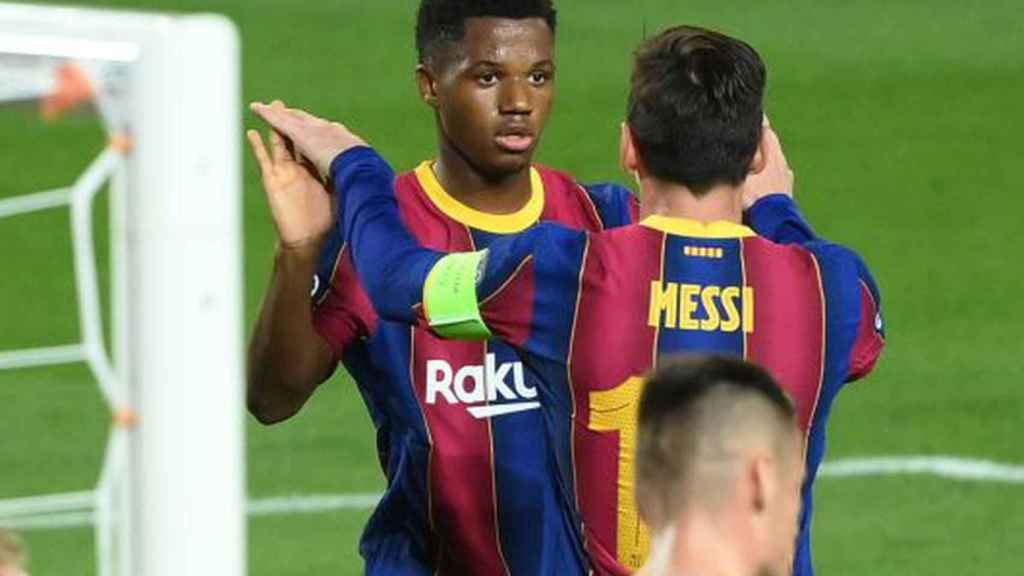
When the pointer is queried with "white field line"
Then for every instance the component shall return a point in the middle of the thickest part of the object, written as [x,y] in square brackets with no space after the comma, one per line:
[53,516]
[948,467]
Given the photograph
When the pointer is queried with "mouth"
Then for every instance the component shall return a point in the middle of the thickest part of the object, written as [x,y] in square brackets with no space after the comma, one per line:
[515,141]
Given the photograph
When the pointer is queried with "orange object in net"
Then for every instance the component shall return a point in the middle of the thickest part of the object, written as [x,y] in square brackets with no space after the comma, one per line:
[73,88]
[126,418]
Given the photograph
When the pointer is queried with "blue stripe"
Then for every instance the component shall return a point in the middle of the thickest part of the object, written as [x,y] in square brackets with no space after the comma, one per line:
[396,538]
[333,246]
[842,312]
[558,265]
[535,524]
[613,203]
[701,271]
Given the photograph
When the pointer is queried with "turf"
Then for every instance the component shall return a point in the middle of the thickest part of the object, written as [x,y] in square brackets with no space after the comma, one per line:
[901,119]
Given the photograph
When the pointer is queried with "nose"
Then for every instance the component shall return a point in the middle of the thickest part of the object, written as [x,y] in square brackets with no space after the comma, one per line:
[515,98]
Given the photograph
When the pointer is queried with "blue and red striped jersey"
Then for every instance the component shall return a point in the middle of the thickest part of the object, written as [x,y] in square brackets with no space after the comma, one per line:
[590,313]
[470,489]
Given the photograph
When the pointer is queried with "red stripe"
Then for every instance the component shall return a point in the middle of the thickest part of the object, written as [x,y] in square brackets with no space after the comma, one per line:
[789,316]
[869,343]
[461,468]
[509,311]
[615,291]
[346,312]
[567,203]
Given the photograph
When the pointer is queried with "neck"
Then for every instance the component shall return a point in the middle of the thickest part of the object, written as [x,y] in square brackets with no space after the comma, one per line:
[495,194]
[723,202]
[696,546]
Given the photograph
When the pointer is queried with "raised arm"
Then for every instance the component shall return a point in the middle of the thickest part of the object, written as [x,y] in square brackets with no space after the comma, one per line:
[287,357]
[768,196]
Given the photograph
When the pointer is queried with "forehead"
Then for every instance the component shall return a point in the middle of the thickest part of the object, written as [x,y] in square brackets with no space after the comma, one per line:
[504,39]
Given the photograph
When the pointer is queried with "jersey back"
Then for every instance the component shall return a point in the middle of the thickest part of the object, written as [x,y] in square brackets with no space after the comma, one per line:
[594,313]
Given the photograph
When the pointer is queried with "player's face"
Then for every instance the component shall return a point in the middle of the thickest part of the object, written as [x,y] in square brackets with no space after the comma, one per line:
[494,95]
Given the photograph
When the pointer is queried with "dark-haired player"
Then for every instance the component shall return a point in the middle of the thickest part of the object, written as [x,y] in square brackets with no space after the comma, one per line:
[590,313]
[719,464]
[470,487]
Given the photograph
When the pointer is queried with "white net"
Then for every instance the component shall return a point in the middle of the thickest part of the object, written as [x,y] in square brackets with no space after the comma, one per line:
[57,86]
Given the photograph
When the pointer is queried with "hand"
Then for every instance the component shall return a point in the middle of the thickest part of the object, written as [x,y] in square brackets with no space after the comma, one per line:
[319,140]
[775,177]
[299,203]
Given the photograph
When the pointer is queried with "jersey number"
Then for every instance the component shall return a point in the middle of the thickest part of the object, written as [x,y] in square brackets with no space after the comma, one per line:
[615,410]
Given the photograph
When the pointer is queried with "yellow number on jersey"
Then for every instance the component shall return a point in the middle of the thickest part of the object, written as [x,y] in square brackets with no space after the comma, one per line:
[615,410]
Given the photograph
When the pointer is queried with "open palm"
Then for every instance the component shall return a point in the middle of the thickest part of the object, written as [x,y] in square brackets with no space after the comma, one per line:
[299,202]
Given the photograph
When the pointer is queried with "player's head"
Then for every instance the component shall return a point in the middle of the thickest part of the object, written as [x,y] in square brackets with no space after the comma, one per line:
[487,69]
[13,558]
[695,109]
[718,441]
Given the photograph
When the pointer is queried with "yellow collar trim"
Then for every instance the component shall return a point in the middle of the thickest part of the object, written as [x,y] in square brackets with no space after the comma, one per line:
[719,230]
[517,221]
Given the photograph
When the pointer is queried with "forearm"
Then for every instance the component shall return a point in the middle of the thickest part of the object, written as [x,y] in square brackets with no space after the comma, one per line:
[391,263]
[288,359]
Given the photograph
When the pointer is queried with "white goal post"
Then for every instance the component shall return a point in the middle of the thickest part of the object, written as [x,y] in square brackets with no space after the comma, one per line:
[172,494]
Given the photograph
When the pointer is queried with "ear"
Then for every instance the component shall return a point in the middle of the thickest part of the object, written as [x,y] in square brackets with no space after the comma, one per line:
[627,151]
[761,484]
[427,85]
[760,160]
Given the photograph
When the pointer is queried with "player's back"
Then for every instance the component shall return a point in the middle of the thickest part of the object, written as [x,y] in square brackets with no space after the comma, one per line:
[672,286]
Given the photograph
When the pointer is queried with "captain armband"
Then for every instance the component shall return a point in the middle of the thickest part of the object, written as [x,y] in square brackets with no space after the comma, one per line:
[450,300]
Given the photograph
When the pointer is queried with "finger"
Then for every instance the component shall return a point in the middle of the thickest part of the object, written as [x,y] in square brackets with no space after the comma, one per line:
[300,113]
[771,139]
[278,150]
[258,150]
[276,117]
[311,169]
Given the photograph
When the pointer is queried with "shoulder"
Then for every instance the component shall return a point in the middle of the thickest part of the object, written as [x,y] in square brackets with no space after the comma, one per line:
[407,183]
[611,204]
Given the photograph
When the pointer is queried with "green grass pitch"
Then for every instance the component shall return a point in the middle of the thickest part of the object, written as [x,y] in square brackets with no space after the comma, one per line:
[902,121]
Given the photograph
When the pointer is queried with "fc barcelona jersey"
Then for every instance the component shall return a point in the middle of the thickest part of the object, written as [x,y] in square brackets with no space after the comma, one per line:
[471,488]
[591,313]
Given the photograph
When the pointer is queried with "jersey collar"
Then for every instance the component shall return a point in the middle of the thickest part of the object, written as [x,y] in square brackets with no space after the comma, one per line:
[517,221]
[718,230]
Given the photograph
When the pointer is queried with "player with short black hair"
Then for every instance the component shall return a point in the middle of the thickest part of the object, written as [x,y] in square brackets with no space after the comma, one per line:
[718,469]
[470,488]
[695,108]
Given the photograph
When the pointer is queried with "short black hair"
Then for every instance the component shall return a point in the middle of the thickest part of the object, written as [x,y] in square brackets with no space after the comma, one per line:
[683,382]
[696,107]
[443,22]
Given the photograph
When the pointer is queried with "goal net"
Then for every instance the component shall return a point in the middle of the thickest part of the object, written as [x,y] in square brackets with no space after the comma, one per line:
[165,353]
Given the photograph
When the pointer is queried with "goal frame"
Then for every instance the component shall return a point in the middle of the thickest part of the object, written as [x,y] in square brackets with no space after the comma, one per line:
[176,290]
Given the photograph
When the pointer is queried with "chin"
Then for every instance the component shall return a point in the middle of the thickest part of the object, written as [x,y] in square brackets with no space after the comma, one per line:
[506,164]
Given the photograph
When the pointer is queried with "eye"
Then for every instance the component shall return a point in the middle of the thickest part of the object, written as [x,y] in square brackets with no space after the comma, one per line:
[538,78]
[487,79]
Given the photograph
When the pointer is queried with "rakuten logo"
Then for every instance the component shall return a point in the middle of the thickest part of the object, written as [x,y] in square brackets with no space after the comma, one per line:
[479,384]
